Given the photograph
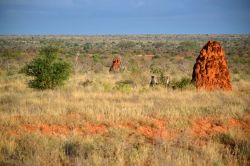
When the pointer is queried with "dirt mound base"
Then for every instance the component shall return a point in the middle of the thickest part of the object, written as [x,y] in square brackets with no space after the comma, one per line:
[210,71]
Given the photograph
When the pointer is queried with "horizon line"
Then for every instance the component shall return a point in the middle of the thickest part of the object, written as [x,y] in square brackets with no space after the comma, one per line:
[129,34]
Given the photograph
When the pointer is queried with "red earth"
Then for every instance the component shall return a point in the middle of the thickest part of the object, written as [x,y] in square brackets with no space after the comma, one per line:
[153,129]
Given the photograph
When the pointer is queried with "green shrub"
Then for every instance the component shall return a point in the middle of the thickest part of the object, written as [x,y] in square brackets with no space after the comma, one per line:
[182,84]
[156,70]
[96,58]
[123,87]
[134,68]
[49,71]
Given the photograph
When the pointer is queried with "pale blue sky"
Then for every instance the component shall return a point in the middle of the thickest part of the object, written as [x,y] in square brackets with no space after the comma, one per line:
[95,17]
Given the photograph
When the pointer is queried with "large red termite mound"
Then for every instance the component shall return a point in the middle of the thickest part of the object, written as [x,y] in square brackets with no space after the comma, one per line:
[210,71]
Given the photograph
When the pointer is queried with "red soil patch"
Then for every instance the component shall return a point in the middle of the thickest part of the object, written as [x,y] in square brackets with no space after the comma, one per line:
[206,127]
[153,133]
[47,129]
[237,123]
[156,129]
[51,129]
[95,129]
[209,126]
[153,128]
[210,71]
[159,132]
[247,116]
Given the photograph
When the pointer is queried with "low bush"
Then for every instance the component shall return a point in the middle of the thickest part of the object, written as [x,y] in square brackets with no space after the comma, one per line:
[182,84]
[47,69]
[123,87]
[96,58]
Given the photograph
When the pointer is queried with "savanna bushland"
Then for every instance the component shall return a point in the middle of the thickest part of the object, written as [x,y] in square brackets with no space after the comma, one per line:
[97,117]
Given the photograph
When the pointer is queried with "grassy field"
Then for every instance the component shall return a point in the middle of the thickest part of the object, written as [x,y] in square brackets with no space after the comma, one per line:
[98,119]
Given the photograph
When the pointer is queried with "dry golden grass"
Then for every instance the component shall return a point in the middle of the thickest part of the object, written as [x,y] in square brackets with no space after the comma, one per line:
[100,124]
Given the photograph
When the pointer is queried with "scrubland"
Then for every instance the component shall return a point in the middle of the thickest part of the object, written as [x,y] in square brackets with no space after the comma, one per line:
[102,118]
